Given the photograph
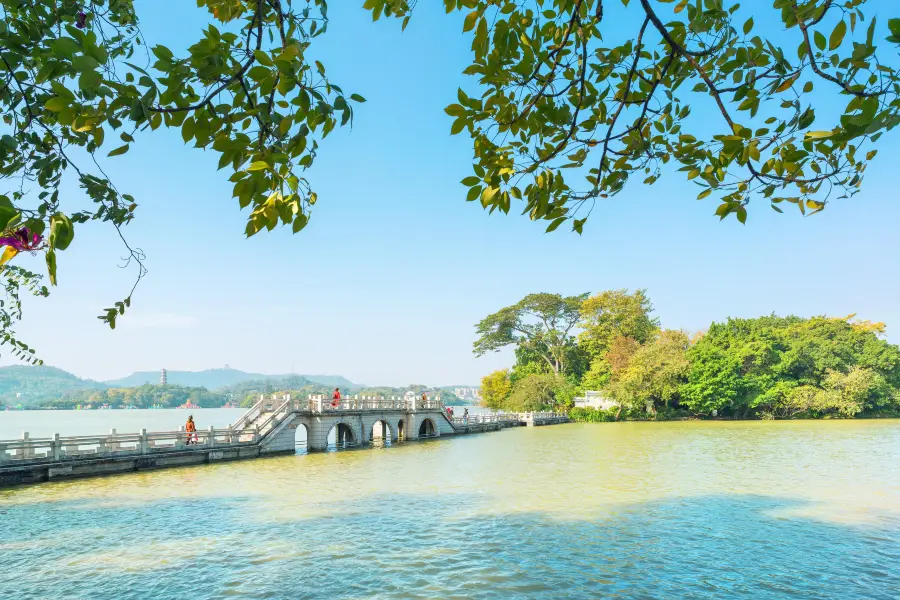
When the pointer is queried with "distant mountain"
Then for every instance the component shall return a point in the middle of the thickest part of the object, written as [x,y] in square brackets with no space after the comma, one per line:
[29,385]
[213,379]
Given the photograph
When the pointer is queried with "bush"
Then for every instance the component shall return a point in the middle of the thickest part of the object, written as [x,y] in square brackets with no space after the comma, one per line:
[592,415]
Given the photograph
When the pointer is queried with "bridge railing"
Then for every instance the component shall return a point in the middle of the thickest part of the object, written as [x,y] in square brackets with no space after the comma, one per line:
[324,404]
[119,444]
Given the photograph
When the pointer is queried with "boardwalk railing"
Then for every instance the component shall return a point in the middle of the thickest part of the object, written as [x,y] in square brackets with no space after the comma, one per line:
[120,444]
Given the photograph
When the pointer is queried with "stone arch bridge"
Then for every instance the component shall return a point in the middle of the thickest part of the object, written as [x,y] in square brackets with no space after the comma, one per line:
[355,421]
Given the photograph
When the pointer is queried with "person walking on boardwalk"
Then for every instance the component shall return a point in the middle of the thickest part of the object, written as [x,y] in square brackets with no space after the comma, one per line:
[466,416]
[336,398]
[191,430]
[424,400]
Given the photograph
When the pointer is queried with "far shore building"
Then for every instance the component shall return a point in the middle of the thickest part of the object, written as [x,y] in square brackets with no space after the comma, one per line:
[592,399]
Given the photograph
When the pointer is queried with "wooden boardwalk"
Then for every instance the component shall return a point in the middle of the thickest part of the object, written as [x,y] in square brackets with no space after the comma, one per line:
[268,428]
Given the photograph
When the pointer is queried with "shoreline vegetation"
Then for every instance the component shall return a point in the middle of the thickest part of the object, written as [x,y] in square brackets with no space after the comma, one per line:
[49,388]
[768,367]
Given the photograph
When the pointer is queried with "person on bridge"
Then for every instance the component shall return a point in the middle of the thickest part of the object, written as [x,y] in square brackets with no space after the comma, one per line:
[336,398]
[466,415]
[191,430]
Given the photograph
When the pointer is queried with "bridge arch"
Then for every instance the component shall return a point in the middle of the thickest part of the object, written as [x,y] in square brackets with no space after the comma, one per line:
[301,436]
[380,431]
[341,435]
[427,428]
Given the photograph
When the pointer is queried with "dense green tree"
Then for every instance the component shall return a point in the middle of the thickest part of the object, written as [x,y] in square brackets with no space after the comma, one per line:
[654,374]
[495,389]
[541,323]
[604,367]
[544,392]
[613,314]
[791,366]
[608,89]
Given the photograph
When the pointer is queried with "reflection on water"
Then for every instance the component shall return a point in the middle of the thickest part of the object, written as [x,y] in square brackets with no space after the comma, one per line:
[633,510]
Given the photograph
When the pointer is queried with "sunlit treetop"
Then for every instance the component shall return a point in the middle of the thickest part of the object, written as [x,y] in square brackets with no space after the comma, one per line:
[573,103]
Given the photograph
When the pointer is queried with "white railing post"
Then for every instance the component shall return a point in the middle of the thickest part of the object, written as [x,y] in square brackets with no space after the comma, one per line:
[27,451]
[211,437]
[113,444]
[56,447]
[145,443]
[256,434]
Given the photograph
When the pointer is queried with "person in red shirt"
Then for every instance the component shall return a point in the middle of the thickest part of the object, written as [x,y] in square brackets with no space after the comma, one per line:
[336,398]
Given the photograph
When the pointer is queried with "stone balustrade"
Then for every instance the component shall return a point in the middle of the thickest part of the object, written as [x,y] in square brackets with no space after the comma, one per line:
[58,448]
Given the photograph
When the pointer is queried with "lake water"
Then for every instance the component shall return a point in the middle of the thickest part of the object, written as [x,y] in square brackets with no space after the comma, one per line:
[802,509]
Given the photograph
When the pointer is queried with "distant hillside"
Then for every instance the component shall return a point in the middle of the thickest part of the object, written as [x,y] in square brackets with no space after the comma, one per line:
[29,385]
[213,379]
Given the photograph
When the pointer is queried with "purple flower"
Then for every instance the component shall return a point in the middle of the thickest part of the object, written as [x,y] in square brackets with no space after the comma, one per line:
[80,19]
[22,240]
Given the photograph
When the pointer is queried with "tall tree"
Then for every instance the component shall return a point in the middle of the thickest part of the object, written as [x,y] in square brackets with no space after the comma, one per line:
[541,323]
[612,314]
[609,89]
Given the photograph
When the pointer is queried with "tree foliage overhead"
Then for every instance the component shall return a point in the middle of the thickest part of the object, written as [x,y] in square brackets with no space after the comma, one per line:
[604,91]
[79,83]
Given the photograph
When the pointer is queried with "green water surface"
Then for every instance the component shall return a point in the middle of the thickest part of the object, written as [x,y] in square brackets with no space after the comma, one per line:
[806,509]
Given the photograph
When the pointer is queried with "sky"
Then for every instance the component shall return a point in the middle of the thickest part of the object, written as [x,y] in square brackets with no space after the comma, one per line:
[387,282]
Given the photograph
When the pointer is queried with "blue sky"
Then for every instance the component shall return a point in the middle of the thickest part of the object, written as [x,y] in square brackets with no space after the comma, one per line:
[386,283]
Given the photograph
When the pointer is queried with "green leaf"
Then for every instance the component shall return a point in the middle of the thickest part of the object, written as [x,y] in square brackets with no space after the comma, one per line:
[51,265]
[85,63]
[357,98]
[300,222]
[61,231]
[837,36]
[7,213]
[470,21]
[263,58]
[258,165]
[65,46]
[89,80]
[556,223]
[748,25]
[56,104]
[820,40]
[119,150]
[162,53]
[470,181]
[894,26]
